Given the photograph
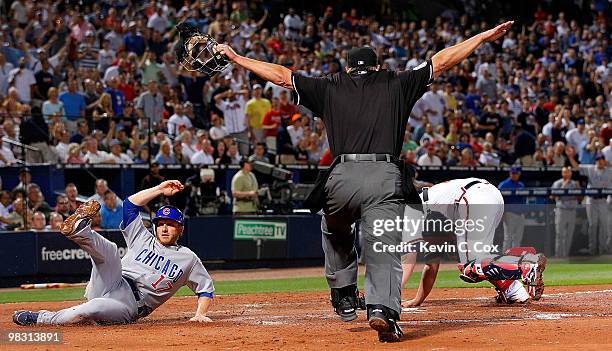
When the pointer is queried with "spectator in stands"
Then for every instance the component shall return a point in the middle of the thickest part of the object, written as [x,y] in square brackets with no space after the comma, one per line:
[25,179]
[232,105]
[15,219]
[150,104]
[55,221]
[74,154]
[260,153]
[82,131]
[514,220]
[5,69]
[233,156]
[218,130]
[116,156]
[53,107]
[429,158]
[94,155]
[296,130]
[177,152]
[74,105]
[72,194]
[204,155]
[270,124]
[62,206]
[103,113]
[577,136]
[256,109]
[111,211]
[5,204]
[101,187]
[488,157]
[565,213]
[22,78]
[165,154]
[36,201]
[38,221]
[118,99]
[244,190]
[178,120]
[7,158]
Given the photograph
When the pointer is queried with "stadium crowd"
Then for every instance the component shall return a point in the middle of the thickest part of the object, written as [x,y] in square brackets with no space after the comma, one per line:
[100,84]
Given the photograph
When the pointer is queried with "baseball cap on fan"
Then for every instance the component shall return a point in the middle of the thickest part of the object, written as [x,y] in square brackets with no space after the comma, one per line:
[364,56]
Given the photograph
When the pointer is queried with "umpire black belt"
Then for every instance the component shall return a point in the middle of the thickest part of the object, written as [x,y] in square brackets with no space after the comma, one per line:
[367,158]
[143,310]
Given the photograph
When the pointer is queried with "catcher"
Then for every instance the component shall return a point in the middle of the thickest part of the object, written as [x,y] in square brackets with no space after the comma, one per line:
[153,269]
[460,200]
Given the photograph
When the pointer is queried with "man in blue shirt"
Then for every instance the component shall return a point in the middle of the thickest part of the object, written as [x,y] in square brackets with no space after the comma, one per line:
[111,211]
[133,41]
[74,105]
[116,95]
[514,221]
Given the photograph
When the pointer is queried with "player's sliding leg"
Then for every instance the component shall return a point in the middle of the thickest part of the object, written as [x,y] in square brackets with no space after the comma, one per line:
[341,266]
[110,298]
[105,259]
[117,308]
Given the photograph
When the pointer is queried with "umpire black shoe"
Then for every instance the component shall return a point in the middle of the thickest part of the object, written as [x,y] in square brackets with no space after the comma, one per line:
[384,321]
[346,301]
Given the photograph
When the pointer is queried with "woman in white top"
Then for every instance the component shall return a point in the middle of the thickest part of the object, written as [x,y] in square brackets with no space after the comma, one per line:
[53,106]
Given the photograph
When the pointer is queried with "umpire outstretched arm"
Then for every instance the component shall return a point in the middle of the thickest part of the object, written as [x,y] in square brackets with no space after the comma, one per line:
[441,61]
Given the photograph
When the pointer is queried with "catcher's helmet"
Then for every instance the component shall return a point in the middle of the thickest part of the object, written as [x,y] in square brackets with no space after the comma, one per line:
[169,212]
[195,51]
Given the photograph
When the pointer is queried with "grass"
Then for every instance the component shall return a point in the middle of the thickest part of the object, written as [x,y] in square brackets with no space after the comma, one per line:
[556,274]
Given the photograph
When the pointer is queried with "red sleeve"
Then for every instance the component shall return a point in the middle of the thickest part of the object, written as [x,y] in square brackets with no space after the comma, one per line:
[326,159]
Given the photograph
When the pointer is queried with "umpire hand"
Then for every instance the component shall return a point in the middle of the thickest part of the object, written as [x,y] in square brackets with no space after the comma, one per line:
[226,50]
[170,187]
[494,33]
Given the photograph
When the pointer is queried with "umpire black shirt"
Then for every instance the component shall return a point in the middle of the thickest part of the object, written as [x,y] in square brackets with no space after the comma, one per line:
[364,113]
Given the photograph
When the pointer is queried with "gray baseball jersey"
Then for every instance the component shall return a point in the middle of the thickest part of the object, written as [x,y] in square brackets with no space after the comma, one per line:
[158,270]
[598,178]
[566,202]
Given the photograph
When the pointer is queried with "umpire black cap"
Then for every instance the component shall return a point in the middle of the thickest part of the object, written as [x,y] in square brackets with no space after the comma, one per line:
[364,56]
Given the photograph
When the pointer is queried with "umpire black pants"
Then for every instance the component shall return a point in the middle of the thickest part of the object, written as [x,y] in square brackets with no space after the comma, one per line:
[370,192]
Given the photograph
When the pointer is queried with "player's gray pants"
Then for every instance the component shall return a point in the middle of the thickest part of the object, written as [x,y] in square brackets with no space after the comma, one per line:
[565,222]
[600,228]
[110,299]
[514,227]
[370,191]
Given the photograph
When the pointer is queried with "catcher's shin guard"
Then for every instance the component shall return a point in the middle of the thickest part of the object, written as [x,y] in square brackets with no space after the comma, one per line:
[528,268]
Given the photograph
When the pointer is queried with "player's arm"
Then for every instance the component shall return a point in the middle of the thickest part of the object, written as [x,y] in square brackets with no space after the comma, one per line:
[428,278]
[204,303]
[201,283]
[167,188]
[271,72]
[451,56]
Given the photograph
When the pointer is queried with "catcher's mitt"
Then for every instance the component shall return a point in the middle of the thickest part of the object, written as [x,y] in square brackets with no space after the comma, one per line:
[195,51]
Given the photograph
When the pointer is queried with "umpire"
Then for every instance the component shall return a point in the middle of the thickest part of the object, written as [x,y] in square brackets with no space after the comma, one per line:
[365,111]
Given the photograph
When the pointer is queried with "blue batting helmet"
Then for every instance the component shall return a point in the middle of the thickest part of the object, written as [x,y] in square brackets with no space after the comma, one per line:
[169,212]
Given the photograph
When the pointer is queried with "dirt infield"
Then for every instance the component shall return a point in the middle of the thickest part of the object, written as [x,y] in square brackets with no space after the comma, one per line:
[566,318]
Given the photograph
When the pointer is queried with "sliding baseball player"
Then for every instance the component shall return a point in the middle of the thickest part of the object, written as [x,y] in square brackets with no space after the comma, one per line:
[153,269]
[474,207]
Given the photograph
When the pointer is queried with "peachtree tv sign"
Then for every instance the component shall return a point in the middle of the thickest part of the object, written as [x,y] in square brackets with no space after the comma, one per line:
[252,230]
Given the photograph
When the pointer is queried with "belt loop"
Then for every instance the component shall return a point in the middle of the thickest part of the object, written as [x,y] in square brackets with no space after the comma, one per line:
[388,158]
[342,158]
